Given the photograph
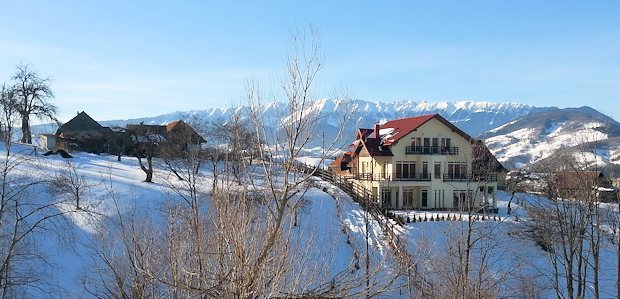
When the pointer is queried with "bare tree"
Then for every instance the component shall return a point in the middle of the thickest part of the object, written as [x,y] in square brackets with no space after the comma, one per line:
[24,215]
[280,181]
[611,218]
[514,185]
[568,224]
[69,182]
[144,145]
[8,103]
[34,97]
[241,241]
[240,141]
[468,267]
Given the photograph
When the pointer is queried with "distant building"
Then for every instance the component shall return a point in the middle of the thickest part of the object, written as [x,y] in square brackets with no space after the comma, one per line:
[171,139]
[83,133]
[47,142]
[584,184]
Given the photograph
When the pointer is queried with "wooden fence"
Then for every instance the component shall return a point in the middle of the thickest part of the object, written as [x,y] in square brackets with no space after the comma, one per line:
[370,204]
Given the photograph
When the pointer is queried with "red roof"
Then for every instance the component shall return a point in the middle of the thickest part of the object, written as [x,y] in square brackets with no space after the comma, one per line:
[402,127]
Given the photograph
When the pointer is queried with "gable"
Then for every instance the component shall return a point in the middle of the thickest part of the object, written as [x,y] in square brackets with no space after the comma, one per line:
[80,123]
[180,129]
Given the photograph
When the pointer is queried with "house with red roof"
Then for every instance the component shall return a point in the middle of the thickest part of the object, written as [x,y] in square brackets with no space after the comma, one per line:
[422,162]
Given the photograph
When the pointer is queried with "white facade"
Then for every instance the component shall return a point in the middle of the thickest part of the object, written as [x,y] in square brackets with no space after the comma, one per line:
[429,168]
[47,142]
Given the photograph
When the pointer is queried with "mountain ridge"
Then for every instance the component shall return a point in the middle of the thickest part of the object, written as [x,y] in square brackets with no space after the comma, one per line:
[538,136]
[517,133]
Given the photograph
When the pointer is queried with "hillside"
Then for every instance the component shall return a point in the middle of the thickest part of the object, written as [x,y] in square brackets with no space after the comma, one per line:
[330,235]
[533,137]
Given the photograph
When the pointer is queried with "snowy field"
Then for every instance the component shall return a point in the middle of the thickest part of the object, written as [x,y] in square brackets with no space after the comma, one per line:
[332,229]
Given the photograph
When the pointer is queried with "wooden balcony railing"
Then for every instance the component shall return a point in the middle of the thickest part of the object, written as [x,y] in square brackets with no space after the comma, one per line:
[431,150]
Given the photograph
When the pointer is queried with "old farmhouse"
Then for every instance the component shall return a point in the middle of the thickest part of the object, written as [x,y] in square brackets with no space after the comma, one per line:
[82,133]
[422,162]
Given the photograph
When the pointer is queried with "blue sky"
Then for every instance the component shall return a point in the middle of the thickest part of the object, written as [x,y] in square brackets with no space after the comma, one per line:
[126,59]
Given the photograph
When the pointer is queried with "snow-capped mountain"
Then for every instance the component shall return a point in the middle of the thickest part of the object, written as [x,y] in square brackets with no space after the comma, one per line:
[517,134]
[473,117]
[538,136]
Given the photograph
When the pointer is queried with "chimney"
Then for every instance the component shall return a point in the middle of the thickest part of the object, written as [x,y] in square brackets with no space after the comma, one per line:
[377,128]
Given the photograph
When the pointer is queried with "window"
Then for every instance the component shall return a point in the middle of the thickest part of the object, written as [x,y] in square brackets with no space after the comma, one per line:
[384,170]
[457,200]
[490,189]
[424,198]
[427,146]
[405,170]
[445,146]
[408,198]
[435,147]
[457,170]
[425,170]
[386,198]
[481,188]
[437,170]
[462,199]
[443,198]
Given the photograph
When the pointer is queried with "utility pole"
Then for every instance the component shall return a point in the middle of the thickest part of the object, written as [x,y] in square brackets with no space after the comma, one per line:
[323,139]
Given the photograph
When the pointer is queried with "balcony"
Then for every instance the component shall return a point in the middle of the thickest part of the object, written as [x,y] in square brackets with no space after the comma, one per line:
[432,150]
[393,177]
[492,177]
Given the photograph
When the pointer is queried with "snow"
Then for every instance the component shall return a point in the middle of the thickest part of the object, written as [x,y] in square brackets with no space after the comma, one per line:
[502,126]
[554,129]
[332,230]
[385,131]
[117,189]
[532,145]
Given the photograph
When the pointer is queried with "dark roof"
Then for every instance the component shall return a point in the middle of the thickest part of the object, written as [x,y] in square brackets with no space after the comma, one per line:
[81,122]
[483,160]
[376,149]
[363,133]
[346,156]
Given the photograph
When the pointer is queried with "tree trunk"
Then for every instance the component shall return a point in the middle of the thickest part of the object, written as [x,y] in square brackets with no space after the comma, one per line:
[149,171]
[26,134]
